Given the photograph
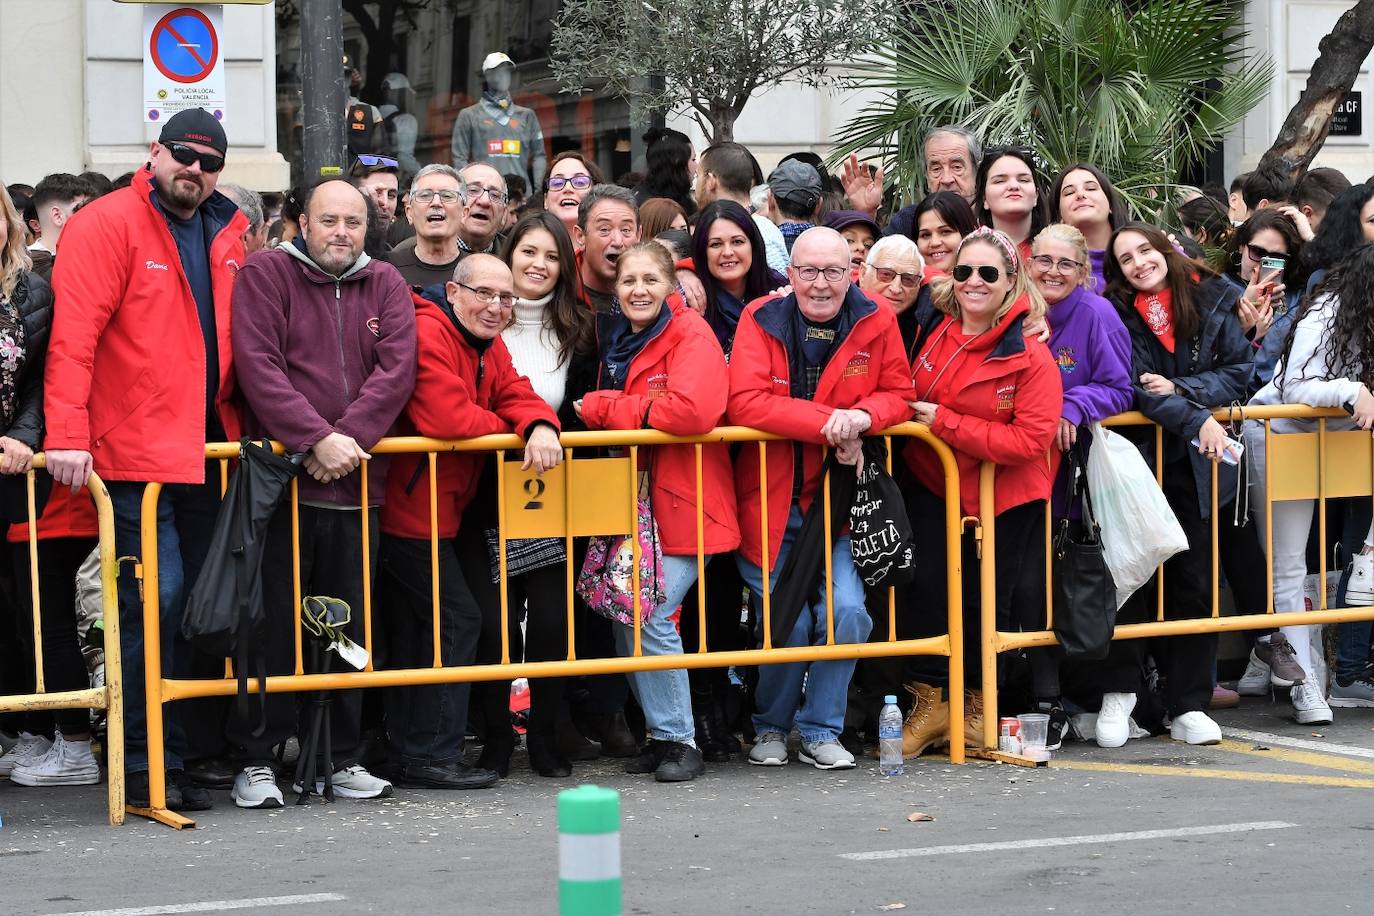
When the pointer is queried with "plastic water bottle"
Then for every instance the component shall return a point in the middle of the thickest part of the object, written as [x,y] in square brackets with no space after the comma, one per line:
[890,738]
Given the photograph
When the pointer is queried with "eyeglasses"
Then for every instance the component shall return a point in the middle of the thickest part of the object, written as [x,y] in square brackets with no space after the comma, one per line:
[886,275]
[579,182]
[1047,263]
[1259,254]
[209,162]
[496,195]
[987,272]
[488,296]
[447,195]
[833,274]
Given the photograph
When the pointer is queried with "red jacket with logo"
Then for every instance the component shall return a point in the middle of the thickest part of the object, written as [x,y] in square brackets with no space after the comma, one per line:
[999,400]
[459,394]
[126,361]
[677,384]
[868,371]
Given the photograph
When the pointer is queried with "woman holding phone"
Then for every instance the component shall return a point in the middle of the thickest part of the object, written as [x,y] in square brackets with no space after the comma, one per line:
[1266,269]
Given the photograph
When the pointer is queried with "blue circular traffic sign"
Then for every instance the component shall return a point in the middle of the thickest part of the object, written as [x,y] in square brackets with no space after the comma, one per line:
[184,46]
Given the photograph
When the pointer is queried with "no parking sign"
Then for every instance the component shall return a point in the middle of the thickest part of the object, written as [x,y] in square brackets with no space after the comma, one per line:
[183,60]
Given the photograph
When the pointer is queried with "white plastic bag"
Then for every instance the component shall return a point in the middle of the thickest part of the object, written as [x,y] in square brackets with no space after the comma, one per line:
[1139,530]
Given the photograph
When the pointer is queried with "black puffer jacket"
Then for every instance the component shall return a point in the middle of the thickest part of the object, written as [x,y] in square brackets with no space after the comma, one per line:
[33,300]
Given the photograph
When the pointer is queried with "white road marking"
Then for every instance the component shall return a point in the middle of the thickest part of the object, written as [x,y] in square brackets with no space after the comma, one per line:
[1347,750]
[1066,841]
[213,906]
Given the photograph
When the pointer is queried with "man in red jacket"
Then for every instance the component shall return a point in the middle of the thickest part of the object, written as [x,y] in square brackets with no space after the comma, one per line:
[821,366]
[324,338]
[466,386]
[138,378]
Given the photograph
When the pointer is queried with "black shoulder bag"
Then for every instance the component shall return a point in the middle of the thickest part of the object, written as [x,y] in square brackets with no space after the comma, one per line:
[1084,594]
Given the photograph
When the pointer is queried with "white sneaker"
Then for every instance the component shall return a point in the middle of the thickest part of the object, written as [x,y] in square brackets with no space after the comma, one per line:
[256,787]
[354,782]
[1255,681]
[1195,727]
[1309,706]
[1114,719]
[67,763]
[26,750]
[1359,591]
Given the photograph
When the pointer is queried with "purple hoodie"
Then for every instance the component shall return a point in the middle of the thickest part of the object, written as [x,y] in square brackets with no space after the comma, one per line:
[1093,351]
[317,354]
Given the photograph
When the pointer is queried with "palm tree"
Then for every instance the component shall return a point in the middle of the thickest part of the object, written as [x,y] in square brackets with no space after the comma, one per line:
[1139,89]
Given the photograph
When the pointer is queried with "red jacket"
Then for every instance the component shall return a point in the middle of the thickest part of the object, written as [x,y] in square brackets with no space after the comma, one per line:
[126,361]
[459,394]
[67,515]
[999,400]
[868,371]
[677,384]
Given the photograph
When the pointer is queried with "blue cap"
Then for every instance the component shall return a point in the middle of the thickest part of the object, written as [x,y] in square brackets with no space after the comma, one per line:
[890,698]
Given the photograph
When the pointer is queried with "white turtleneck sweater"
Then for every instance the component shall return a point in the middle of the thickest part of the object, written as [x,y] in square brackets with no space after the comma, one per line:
[534,350]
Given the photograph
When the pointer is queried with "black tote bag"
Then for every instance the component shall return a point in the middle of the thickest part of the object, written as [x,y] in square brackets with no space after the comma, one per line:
[1084,594]
[879,530]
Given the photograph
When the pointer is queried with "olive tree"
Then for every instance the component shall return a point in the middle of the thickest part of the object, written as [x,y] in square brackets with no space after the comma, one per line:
[709,56]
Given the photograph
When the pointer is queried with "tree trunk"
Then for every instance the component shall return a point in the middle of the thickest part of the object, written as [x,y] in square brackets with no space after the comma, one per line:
[723,116]
[1333,73]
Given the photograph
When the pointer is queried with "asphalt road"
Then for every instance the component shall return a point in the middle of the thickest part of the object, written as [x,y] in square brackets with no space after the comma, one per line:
[1256,826]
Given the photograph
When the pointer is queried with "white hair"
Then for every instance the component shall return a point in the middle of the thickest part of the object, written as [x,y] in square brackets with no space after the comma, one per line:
[898,246]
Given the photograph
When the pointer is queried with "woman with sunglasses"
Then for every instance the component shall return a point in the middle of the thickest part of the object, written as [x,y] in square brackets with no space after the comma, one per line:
[992,394]
[1189,356]
[1092,349]
[1009,196]
[1084,198]
[1268,295]
[570,178]
[661,368]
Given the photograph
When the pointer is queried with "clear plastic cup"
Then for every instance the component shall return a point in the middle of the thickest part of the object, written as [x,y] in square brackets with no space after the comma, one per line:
[1034,729]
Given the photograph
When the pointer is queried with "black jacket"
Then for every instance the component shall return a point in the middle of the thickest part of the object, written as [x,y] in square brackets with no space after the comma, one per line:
[1212,368]
[33,300]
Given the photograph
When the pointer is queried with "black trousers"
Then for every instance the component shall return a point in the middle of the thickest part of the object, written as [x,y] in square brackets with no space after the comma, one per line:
[425,724]
[1185,662]
[725,597]
[331,553]
[539,597]
[63,667]
[922,603]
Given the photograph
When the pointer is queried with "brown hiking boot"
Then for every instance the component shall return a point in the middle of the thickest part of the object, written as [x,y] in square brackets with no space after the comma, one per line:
[973,718]
[927,725]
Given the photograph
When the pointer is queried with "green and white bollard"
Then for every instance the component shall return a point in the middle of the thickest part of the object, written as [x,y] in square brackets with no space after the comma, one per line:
[589,852]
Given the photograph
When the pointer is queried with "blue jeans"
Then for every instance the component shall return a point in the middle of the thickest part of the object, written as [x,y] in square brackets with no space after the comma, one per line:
[820,717]
[665,696]
[185,518]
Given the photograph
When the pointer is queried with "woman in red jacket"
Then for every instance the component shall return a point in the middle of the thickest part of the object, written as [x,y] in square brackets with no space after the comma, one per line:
[663,369]
[992,394]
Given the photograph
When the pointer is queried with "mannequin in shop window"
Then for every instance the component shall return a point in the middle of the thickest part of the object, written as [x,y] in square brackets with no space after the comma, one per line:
[498,132]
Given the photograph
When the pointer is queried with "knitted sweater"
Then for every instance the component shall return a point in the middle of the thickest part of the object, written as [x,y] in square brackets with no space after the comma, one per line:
[534,350]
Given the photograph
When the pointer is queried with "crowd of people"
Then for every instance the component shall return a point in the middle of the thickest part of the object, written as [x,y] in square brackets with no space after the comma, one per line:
[1008,311]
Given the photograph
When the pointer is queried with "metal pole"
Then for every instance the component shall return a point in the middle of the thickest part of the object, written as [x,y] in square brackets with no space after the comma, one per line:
[323,90]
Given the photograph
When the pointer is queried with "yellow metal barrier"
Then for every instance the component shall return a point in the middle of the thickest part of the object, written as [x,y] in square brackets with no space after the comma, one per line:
[1301,465]
[601,501]
[109,697]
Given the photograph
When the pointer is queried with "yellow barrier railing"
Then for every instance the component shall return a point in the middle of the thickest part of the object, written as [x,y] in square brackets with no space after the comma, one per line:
[108,697]
[1316,465]
[588,508]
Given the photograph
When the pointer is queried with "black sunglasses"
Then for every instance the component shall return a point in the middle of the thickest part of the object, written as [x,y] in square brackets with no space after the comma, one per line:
[1259,254]
[209,162]
[986,271]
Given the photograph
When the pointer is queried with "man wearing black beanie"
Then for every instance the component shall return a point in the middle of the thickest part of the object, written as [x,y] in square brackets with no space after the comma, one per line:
[138,378]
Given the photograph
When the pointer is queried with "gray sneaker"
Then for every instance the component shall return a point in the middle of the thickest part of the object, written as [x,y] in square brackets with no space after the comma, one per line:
[1359,692]
[1284,670]
[826,755]
[769,750]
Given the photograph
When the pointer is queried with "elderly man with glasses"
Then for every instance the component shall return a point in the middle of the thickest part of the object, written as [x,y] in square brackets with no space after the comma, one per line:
[485,211]
[434,207]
